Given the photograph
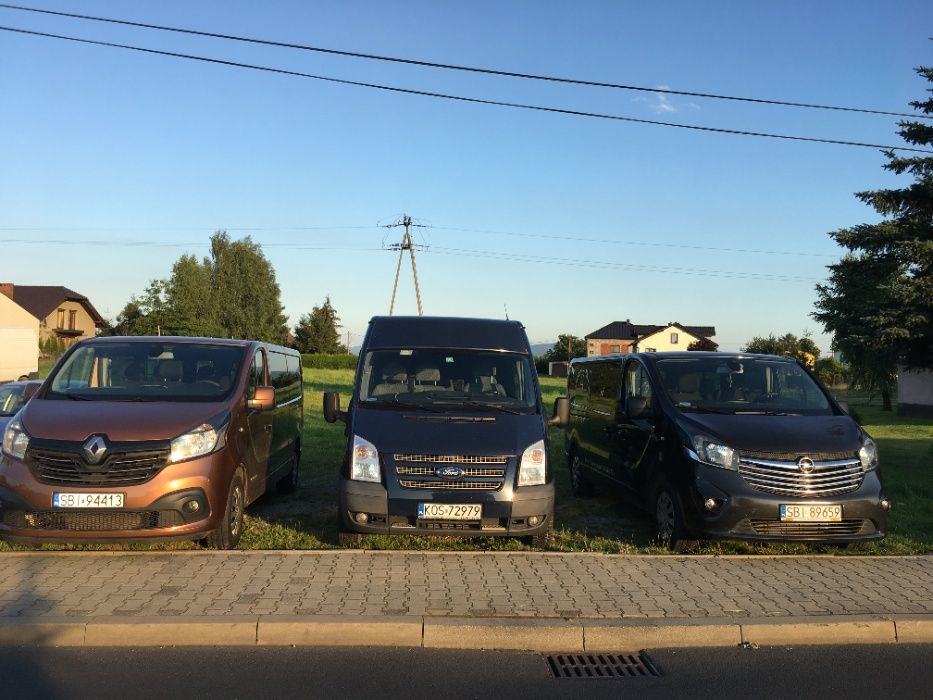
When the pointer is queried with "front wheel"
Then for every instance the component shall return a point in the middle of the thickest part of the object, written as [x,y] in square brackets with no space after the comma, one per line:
[579,484]
[669,518]
[227,536]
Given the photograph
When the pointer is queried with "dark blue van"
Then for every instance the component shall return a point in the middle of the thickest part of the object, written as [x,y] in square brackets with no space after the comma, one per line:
[446,434]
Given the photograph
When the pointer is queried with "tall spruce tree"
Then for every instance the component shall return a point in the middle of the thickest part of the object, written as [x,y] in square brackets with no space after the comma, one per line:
[316,332]
[878,303]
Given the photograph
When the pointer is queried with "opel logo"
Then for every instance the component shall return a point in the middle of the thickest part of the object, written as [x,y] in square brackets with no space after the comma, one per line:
[449,472]
[95,449]
[806,465]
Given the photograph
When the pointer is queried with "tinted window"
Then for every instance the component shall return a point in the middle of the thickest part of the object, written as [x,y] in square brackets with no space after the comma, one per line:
[741,385]
[148,371]
[284,373]
[604,379]
[637,383]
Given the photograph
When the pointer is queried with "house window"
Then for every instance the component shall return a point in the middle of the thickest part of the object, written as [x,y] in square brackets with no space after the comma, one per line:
[675,337]
[614,348]
[72,316]
[61,318]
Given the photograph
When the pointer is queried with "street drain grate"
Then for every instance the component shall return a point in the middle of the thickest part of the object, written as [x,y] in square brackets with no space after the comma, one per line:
[602,666]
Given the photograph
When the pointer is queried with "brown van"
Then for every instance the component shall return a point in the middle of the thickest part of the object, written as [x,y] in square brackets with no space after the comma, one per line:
[142,438]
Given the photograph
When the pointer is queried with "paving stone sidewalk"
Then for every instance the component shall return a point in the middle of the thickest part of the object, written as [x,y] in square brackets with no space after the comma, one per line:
[34,586]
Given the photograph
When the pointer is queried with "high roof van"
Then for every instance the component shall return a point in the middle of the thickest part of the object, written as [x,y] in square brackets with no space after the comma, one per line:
[446,434]
[145,438]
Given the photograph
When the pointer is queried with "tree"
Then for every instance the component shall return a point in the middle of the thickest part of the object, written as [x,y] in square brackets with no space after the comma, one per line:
[558,353]
[316,332]
[829,370]
[803,348]
[878,302]
[232,293]
[703,344]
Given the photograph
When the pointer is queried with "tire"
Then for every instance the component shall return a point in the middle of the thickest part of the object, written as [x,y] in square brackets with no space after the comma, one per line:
[580,486]
[349,540]
[291,481]
[670,530]
[227,536]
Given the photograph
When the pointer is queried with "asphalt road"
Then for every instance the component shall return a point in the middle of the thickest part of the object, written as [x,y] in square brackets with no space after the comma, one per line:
[901,671]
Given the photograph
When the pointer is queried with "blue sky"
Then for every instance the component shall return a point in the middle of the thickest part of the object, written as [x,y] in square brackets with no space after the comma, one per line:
[106,145]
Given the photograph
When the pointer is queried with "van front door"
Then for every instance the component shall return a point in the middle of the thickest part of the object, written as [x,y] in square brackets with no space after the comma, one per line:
[632,446]
[600,420]
[259,425]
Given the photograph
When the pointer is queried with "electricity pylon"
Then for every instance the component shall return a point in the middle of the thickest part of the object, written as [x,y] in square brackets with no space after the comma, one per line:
[408,245]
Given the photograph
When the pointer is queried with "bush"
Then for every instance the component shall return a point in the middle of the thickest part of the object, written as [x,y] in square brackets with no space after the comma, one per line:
[541,365]
[321,361]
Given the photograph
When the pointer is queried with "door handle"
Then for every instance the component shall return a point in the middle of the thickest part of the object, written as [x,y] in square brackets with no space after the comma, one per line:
[267,427]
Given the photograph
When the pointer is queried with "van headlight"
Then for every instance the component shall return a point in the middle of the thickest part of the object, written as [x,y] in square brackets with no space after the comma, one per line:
[15,439]
[201,441]
[533,468]
[364,465]
[868,454]
[715,453]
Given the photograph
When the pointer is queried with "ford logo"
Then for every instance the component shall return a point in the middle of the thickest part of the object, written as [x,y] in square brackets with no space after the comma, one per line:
[806,465]
[449,472]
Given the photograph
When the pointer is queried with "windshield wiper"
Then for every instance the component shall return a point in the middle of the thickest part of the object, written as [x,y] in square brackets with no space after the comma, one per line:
[74,397]
[765,413]
[705,409]
[407,404]
[478,404]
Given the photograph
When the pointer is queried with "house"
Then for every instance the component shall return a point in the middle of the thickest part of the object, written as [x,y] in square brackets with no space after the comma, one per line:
[625,336]
[62,313]
[19,341]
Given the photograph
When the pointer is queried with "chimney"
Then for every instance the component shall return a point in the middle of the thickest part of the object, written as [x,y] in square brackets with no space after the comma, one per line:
[6,288]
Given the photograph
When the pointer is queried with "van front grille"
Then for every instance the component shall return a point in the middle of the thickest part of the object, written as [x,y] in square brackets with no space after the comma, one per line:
[451,485]
[464,472]
[90,521]
[845,528]
[124,465]
[787,478]
[452,459]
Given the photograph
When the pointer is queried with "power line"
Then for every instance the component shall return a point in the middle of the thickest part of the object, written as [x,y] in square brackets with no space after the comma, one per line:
[471,100]
[461,68]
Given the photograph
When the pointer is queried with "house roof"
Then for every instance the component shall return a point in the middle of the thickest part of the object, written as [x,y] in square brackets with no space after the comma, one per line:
[626,330]
[40,301]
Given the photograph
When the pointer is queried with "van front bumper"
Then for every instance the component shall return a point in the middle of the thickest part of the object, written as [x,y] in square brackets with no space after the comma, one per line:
[746,513]
[505,512]
[158,509]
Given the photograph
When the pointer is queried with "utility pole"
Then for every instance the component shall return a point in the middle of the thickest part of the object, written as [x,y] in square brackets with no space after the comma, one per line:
[408,245]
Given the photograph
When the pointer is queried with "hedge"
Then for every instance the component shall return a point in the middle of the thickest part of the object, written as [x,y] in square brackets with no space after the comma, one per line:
[321,361]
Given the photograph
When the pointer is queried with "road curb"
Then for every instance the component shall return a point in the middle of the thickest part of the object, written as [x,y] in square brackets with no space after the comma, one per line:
[499,633]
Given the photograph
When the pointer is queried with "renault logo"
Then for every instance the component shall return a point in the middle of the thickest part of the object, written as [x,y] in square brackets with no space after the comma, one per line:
[95,449]
[449,472]
[806,465]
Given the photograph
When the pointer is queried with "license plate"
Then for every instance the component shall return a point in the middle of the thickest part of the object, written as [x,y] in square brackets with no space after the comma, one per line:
[811,514]
[450,511]
[87,500]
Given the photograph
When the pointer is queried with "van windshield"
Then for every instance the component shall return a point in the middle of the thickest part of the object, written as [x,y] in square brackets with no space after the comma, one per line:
[741,386]
[11,398]
[443,379]
[148,371]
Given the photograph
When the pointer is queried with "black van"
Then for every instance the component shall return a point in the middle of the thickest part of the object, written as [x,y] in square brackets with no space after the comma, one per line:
[446,432]
[724,445]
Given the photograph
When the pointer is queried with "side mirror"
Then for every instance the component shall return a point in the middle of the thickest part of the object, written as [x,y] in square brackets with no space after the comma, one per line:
[635,407]
[561,412]
[263,399]
[844,405]
[30,390]
[332,412]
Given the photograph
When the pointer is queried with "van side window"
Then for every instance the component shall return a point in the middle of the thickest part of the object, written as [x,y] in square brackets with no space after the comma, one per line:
[257,374]
[285,376]
[637,383]
[604,380]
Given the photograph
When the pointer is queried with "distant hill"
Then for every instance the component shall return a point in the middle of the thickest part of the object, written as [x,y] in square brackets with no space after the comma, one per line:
[541,348]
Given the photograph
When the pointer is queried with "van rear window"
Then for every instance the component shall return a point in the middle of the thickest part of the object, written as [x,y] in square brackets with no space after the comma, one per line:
[148,371]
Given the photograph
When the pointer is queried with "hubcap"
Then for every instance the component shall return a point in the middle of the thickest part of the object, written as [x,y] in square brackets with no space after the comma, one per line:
[665,516]
[236,511]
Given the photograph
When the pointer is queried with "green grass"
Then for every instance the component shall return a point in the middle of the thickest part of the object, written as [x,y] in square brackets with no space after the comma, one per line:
[308,519]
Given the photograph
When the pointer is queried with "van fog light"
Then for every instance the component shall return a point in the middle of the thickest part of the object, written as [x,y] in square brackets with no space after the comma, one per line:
[361,518]
[533,520]
[712,504]
[885,504]
[192,506]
